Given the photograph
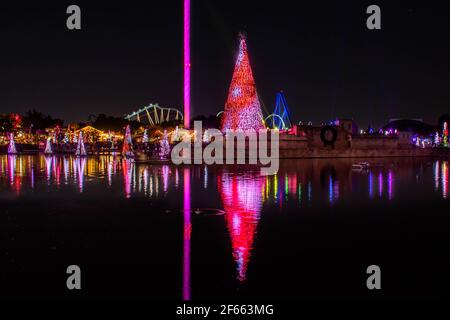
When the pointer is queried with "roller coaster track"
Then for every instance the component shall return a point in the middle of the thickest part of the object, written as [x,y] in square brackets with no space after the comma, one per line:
[155,115]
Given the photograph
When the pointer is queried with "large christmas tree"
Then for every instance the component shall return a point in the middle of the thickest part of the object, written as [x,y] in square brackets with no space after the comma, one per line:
[242,109]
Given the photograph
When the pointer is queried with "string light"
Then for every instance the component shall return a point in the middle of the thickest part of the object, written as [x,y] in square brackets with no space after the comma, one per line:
[242,109]
[127,150]
[12,145]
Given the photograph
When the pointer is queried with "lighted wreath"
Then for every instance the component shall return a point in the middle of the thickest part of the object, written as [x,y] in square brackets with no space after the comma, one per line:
[328,135]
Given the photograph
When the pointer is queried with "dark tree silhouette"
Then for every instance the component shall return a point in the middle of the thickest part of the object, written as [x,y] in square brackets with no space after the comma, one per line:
[6,124]
[34,120]
[106,123]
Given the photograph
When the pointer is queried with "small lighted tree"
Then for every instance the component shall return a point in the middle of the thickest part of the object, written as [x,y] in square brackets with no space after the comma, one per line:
[81,150]
[164,150]
[437,139]
[12,145]
[48,146]
[145,137]
[127,150]
[445,135]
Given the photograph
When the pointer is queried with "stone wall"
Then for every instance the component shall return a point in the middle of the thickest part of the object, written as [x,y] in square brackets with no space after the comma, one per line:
[308,144]
[374,142]
[358,153]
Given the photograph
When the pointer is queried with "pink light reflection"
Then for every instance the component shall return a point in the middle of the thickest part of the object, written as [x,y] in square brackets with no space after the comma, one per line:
[444,177]
[187,63]
[127,170]
[81,165]
[390,184]
[187,230]
[380,184]
[242,201]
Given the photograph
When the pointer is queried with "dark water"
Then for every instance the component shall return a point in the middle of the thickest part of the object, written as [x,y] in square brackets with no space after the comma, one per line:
[166,232]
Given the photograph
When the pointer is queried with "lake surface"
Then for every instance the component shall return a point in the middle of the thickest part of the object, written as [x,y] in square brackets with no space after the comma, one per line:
[200,232]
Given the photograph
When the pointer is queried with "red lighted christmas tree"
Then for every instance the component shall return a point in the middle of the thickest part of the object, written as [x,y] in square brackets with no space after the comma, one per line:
[127,150]
[242,109]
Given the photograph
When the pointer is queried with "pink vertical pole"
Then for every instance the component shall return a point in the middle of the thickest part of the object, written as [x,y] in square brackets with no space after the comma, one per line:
[187,63]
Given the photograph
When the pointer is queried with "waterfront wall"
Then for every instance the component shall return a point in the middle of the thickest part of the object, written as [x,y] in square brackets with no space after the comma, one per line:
[317,152]
[310,146]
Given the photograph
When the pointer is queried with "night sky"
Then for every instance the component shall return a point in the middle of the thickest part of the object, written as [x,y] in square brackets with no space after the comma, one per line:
[320,53]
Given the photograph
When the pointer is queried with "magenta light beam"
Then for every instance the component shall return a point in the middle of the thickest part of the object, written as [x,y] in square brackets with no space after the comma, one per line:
[187,63]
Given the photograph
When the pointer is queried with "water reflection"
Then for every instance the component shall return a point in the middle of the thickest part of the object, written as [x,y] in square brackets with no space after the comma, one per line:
[295,183]
[127,170]
[48,165]
[380,184]
[390,185]
[436,175]
[187,230]
[165,175]
[80,165]
[66,170]
[241,192]
[242,198]
[444,178]
[12,173]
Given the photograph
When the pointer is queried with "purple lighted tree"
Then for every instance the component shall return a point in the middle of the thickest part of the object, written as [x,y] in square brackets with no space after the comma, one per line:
[164,150]
[12,145]
[145,137]
[48,147]
[81,150]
